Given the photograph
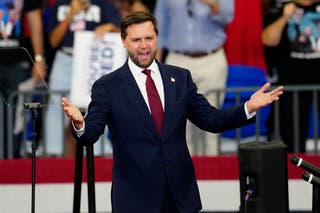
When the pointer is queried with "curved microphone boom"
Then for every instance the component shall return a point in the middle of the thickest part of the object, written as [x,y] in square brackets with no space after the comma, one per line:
[310,178]
[311,175]
[305,165]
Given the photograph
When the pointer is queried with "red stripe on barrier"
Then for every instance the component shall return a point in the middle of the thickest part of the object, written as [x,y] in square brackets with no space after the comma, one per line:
[61,170]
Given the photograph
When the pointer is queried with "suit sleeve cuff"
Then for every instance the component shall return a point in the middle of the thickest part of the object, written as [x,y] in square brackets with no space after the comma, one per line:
[249,115]
[79,132]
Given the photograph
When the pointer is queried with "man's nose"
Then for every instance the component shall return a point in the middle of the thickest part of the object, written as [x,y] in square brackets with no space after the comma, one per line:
[144,43]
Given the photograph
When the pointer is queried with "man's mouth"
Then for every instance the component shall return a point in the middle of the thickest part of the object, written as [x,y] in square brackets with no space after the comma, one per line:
[144,55]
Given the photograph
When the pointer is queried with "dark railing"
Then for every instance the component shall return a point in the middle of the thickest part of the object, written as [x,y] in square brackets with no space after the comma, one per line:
[240,94]
[233,96]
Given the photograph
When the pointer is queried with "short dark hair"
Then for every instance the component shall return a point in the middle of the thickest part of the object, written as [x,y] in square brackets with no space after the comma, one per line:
[137,18]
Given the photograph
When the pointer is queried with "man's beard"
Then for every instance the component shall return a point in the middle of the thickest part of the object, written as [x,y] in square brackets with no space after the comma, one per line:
[143,64]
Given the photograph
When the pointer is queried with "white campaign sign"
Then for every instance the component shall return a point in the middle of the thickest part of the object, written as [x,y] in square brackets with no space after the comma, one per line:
[93,58]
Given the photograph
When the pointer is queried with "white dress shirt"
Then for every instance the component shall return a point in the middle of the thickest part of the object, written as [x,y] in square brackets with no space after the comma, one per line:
[141,80]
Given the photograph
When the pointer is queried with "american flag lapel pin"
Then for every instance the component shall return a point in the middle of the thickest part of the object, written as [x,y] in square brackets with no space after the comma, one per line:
[172,80]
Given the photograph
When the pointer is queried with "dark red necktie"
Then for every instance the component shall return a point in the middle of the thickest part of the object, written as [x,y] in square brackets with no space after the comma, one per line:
[154,101]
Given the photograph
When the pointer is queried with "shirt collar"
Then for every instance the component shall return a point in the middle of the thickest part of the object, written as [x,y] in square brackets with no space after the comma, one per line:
[135,70]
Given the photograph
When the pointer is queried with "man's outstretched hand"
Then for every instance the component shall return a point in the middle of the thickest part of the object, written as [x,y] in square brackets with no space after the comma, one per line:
[72,112]
[261,98]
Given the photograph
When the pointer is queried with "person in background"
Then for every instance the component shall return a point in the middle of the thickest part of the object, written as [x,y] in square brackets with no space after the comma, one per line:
[271,10]
[146,104]
[20,26]
[295,34]
[127,6]
[150,4]
[194,40]
[66,18]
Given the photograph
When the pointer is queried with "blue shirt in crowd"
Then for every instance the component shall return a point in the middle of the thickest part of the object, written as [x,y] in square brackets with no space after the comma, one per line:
[192,27]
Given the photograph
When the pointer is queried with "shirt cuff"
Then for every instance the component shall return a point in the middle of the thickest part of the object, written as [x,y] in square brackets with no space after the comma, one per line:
[249,115]
[79,132]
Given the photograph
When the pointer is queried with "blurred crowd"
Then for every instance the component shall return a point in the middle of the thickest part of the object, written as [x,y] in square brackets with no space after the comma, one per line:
[192,35]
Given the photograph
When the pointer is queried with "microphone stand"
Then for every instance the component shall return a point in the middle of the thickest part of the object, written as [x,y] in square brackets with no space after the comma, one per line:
[315,181]
[33,107]
[315,198]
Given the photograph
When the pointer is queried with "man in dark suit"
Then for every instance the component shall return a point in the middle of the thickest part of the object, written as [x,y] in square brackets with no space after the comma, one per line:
[153,170]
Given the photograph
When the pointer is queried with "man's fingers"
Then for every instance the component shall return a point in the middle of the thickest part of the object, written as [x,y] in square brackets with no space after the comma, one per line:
[277,91]
[66,102]
[265,87]
[67,107]
[71,111]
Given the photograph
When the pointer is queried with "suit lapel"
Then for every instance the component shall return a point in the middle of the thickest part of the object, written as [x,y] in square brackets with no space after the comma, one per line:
[132,92]
[169,96]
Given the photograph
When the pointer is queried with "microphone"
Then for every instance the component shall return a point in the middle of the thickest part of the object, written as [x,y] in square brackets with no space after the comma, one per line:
[305,165]
[310,178]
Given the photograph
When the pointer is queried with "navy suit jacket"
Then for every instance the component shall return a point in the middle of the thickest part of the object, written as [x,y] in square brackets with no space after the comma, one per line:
[145,165]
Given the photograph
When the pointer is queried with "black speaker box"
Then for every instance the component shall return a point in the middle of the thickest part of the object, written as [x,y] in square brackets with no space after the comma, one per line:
[263,177]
